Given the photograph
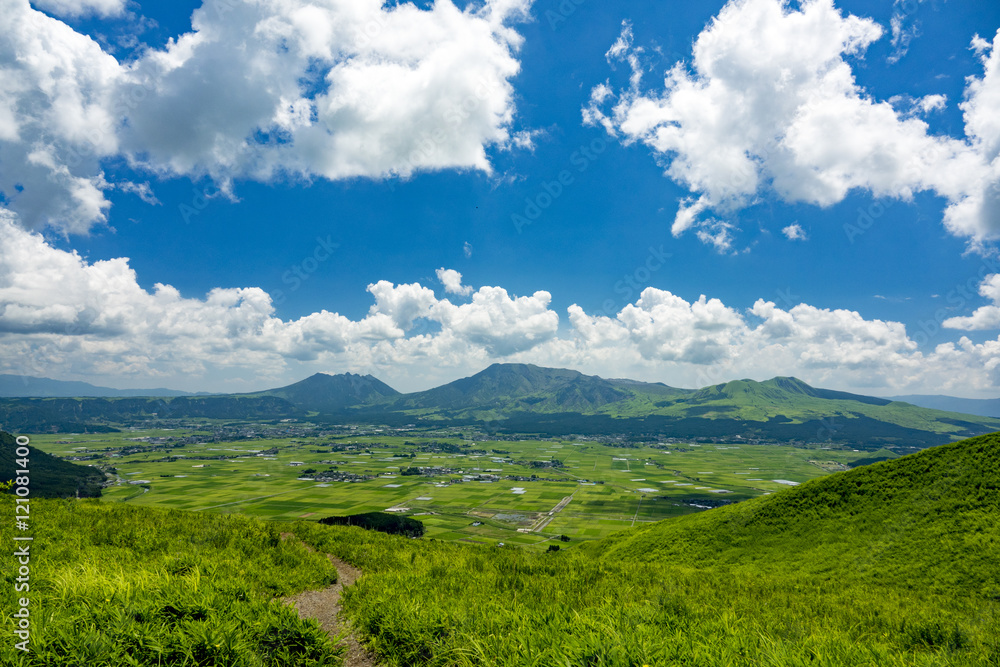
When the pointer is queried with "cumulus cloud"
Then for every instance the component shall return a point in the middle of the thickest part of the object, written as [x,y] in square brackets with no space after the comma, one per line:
[499,324]
[794,232]
[76,8]
[263,90]
[56,119]
[769,103]
[61,313]
[986,317]
[982,105]
[62,316]
[452,281]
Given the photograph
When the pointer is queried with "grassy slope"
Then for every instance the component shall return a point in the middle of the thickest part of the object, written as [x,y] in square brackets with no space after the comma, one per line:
[927,521]
[115,585]
[894,564]
[784,580]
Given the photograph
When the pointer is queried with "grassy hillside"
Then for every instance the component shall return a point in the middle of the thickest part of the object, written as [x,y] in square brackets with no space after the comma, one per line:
[50,477]
[894,564]
[926,521]
[114,585]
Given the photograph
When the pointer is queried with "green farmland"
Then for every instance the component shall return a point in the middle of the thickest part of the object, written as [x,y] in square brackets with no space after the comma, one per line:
[471,491]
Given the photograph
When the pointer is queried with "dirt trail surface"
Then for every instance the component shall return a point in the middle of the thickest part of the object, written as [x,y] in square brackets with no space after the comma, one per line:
[324,606]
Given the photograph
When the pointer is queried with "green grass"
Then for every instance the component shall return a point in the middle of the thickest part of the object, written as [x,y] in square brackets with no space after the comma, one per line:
[892,565]
[927,520]
[114,585]
[895,564]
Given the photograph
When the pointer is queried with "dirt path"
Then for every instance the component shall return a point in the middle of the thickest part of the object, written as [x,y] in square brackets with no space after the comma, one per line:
[324,606]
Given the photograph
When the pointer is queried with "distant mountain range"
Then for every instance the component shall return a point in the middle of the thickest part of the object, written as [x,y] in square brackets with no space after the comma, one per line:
[531,399]
[984,407]
[20,386]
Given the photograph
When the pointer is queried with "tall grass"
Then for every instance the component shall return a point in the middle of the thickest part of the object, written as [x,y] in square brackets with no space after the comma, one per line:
[115,586]
[896,564]
[444,604]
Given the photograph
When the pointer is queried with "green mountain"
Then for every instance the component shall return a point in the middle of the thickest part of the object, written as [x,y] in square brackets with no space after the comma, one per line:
[527,398]
[530,399]
[505,388]
[330,393]
[49,476]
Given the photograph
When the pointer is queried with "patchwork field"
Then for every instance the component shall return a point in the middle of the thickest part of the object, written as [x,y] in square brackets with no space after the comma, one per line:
[525,492]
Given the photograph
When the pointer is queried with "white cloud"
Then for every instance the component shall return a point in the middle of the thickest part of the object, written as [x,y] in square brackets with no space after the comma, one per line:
[76,8]
[61,316]
[499,324]
[770,103]
[716,233]
[403,304]
[794,232]
[263,90]
[930,103]
[904,28]
[986,317]
[982,104]
[622,45]
[452,281]
[56,119]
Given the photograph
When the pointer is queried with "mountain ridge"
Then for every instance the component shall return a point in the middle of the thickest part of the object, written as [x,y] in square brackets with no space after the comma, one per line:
[525,398]
[983,407]
[324,392]
[27,386]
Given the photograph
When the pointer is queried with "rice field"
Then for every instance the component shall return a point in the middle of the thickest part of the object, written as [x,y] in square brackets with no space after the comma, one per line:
[482,492]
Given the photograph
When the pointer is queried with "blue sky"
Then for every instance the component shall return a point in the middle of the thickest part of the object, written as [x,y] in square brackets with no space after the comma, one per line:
[306,210]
